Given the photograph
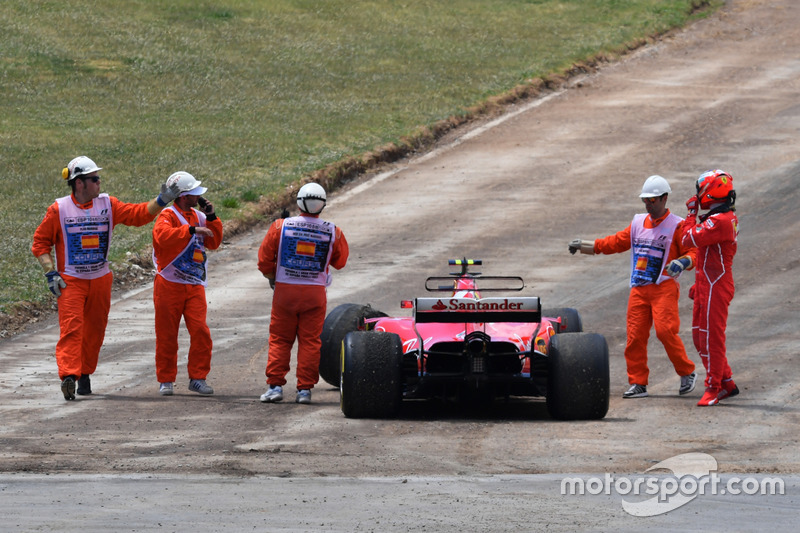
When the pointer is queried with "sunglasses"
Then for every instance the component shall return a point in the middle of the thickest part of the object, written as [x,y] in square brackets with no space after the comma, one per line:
[94,179]
[651,200]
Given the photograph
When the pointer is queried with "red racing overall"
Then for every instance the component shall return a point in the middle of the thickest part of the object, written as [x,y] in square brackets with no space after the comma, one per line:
[715,239]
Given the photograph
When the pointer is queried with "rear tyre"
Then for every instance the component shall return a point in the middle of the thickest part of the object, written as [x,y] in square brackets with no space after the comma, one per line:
[339,322]
[578,376]
[570,319]
[371,374]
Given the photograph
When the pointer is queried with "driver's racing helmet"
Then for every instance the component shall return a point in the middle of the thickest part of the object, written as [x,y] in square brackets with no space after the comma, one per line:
[311,198]
[715,187]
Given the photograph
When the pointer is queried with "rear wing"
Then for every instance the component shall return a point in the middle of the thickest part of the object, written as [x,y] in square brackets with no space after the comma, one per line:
[476,310]
[487,283]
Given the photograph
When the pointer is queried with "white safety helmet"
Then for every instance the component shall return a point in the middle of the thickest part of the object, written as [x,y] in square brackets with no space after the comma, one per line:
[655,186]
[80,166]
[311,198]
[187,183]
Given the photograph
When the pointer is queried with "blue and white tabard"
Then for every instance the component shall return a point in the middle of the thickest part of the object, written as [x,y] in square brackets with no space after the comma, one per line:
[650,249]
[189,267]
[87,233]
[305,250]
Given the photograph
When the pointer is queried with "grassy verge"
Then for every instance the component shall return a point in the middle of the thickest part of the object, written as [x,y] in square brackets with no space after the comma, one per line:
[250,96]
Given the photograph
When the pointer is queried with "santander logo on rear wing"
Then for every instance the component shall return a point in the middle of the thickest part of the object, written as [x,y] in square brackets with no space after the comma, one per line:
[473,310]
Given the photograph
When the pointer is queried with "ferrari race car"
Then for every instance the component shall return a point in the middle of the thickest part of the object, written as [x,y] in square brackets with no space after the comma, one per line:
[464,344]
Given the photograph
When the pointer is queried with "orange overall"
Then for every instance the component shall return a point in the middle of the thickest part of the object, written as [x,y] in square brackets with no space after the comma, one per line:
[174,300]
[298,312]
[652,304]
[84,304]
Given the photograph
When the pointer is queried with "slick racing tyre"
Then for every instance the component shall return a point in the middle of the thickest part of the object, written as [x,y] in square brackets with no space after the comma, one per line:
[570,319]
[578,376]
[371,374]
[339,322]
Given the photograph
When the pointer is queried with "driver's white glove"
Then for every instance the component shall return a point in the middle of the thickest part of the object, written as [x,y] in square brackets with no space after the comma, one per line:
[585,247]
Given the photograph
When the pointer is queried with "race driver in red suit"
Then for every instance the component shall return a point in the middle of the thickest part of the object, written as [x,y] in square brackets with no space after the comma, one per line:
[714,235]
[296,256]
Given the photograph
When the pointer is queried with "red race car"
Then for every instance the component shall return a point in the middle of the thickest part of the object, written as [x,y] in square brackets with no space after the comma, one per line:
[465,344]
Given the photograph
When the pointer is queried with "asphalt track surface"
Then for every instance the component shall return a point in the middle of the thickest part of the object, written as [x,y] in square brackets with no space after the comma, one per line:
[512,191]
[483,503]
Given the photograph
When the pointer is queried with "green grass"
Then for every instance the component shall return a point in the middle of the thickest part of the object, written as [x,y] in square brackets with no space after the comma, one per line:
[250,95]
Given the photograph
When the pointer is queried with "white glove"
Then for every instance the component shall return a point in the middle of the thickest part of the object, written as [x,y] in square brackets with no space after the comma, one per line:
[585,247]
[168,193]
[55,283]
[676,266]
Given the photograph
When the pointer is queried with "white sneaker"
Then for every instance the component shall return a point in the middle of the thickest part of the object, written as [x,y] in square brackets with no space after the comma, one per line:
[687,383]
[273,394]
[303,396]
[200,387]
[165,389]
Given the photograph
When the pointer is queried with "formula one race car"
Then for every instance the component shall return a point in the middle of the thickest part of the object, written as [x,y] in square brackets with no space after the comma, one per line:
[465,344]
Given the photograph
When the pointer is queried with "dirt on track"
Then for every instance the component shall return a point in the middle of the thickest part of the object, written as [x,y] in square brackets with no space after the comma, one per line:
[724,93]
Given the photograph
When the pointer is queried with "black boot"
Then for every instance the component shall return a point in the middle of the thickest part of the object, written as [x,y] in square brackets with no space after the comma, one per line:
[84,385]
[68,387]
